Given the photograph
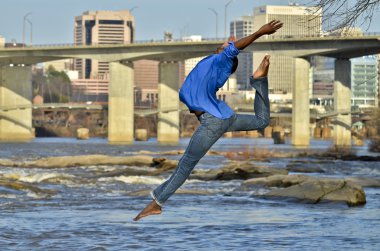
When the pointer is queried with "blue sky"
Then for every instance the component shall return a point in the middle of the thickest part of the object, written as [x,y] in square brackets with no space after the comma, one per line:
[53,20]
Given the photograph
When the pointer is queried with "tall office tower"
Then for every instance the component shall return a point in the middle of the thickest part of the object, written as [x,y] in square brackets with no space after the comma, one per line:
[364,81]
[241,28]
[299,21]
[101,27]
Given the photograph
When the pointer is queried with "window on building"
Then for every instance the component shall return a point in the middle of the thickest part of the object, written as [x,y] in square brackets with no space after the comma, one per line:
[111,22]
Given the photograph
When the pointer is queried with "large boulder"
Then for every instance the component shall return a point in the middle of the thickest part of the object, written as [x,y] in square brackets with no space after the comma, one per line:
[276,181]
[237,170]
[87,160]
[322,189]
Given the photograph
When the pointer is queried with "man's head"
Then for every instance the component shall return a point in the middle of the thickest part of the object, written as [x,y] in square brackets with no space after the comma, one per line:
[223,46]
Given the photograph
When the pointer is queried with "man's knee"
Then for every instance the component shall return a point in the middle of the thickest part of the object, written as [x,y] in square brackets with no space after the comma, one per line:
[264,122]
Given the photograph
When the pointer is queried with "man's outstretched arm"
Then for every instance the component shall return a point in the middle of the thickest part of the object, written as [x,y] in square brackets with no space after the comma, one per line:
[266,29]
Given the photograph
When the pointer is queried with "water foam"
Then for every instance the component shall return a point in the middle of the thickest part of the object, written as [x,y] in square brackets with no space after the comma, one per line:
[36,177]
[140,180]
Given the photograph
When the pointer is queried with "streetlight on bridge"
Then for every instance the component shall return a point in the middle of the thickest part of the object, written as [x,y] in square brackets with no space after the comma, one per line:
[31,31]
[23,27]
[133,8]
[216,22]
[225,18]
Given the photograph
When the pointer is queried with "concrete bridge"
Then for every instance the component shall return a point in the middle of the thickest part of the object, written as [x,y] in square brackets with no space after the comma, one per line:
[15,81]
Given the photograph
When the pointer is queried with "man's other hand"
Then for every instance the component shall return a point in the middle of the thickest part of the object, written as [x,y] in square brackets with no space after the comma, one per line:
[270,27]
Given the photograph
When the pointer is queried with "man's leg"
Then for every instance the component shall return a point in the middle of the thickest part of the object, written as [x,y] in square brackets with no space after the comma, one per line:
[209,131]
[260,120]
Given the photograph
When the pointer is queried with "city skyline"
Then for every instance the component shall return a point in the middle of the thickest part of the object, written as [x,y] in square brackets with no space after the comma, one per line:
[152,18]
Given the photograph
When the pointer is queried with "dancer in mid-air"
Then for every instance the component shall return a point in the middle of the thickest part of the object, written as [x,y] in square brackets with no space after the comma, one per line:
[199,94]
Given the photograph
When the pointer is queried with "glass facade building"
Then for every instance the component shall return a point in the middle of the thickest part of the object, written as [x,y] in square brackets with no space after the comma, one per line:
[364,81]
[241,28]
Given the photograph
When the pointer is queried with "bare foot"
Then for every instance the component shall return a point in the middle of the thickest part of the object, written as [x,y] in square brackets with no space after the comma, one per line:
[262,70]
[151,209]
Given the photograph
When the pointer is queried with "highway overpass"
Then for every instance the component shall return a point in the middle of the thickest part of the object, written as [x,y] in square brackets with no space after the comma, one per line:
[15,78]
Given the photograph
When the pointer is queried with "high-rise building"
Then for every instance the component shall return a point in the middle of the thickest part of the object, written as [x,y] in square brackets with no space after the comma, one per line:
[101,27]
[241,28]
[299,21]
[364,81]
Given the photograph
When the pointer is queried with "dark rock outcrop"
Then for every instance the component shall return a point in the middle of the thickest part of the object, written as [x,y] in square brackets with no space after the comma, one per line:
[316,190]
[276,181]
[237,170]
[297,168]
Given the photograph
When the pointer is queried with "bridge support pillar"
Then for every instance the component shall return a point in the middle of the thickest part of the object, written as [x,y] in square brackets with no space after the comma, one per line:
[168,121]
[121,103]
[342,103]
[16,90]
[300,111]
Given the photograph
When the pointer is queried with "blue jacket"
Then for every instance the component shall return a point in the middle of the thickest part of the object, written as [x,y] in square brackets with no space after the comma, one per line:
[198,91]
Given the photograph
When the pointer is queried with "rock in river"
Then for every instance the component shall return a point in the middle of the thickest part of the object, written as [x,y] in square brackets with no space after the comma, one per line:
[322,189]
[277,181]
[162,164]
[237,170]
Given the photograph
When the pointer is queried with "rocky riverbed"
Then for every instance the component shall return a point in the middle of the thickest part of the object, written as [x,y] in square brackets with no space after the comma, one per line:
[301,188]
[69,194]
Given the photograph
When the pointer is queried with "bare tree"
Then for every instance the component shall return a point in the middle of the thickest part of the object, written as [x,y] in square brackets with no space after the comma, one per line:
[339,14]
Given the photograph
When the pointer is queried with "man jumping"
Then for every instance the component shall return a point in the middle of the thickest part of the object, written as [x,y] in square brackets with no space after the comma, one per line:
[199,94]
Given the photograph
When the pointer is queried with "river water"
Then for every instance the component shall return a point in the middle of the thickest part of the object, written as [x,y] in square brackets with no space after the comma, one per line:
[94,212]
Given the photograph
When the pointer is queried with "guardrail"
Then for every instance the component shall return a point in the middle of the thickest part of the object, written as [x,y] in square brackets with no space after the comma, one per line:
[161,41]
[51,106]
[146,111]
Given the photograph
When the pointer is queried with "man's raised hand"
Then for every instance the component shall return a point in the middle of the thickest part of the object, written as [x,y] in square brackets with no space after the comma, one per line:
[270,27]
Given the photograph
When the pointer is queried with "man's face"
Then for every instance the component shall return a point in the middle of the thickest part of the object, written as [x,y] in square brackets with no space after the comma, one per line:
[221,48]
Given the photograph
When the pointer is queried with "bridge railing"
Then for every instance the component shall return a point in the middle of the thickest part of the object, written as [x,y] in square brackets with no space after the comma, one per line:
[160,41]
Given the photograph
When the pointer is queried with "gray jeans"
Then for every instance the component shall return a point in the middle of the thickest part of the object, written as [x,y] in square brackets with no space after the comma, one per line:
[209,131]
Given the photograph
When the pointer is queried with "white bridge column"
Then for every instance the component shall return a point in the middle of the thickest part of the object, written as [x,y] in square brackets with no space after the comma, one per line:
[342,103]
[121,103]
[168,103]
[300,111]
[16,90]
